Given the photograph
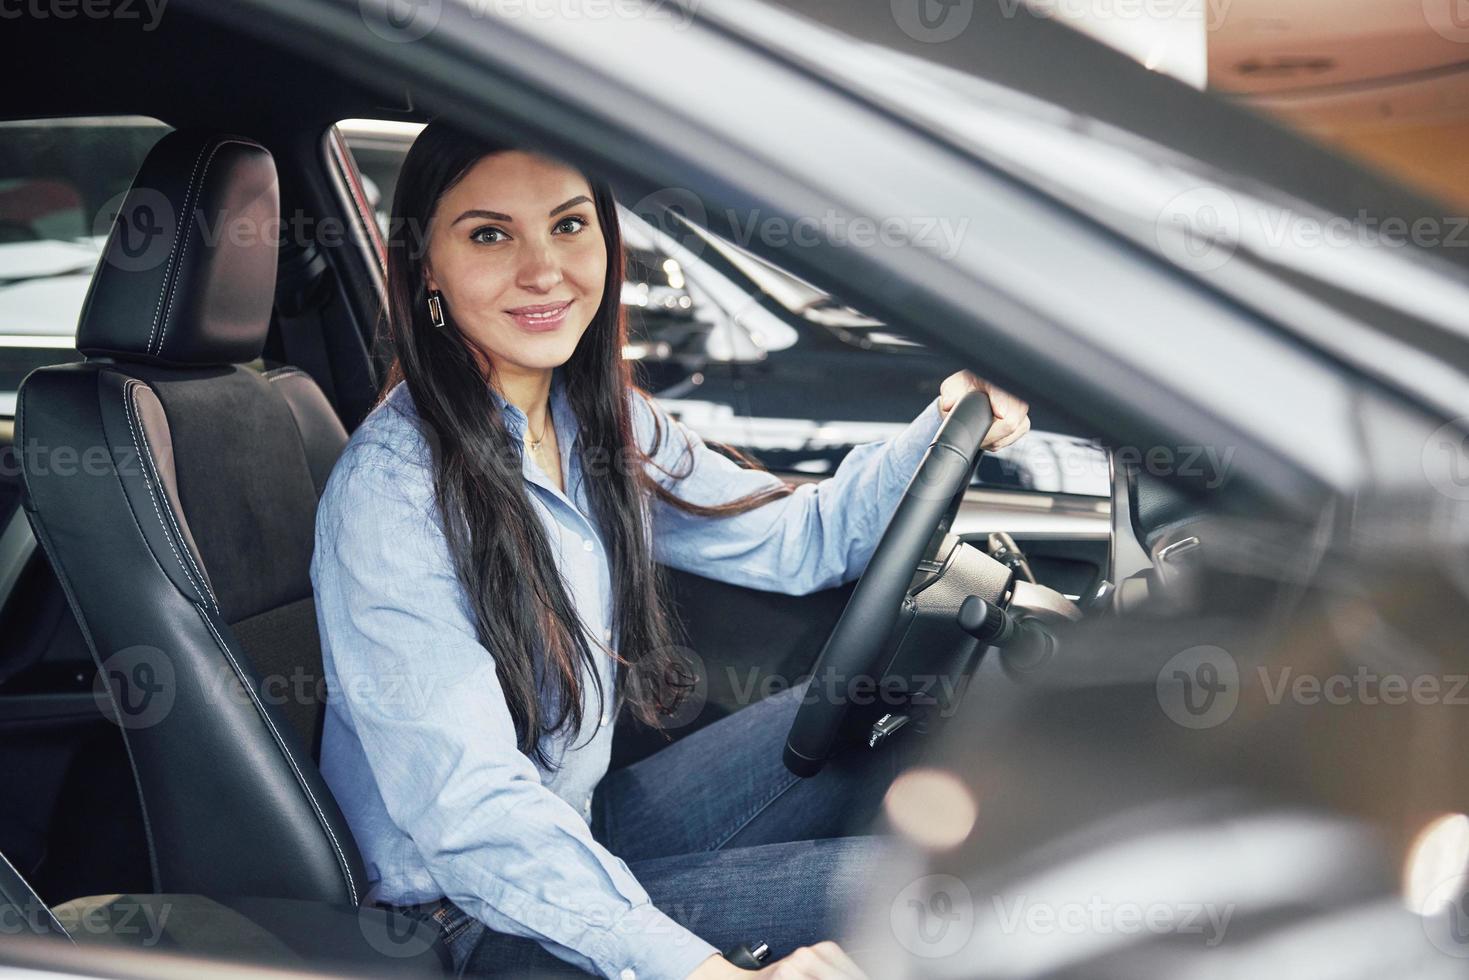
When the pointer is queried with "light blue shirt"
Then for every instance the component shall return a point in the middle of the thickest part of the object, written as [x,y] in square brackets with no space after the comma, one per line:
[419,748]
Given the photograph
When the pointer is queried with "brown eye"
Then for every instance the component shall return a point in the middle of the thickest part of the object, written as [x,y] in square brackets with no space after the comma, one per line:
[481,235]
[570,225]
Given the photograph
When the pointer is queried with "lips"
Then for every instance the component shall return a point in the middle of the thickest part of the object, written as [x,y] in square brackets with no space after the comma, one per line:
[541,316]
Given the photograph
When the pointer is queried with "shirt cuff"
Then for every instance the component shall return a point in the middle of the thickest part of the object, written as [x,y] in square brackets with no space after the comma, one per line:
[655,947]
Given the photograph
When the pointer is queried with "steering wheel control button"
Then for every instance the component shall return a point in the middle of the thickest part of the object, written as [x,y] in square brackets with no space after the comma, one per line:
[884,727]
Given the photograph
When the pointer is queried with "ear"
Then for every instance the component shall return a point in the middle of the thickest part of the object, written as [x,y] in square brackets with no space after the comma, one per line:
[428,278]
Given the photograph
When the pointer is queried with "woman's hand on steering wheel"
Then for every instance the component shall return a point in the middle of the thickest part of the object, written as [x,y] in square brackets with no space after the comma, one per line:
[1012,415]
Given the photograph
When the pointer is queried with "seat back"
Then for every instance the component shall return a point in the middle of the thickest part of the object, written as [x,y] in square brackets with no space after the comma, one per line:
[174,490]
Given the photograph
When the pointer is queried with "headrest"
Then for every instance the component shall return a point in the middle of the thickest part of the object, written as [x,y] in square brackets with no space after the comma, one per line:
[188,272]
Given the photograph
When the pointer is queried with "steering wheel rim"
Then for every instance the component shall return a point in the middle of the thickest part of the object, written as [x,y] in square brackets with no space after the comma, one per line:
[924,515]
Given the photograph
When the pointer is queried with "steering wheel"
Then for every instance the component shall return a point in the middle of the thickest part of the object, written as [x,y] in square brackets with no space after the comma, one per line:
[916,532]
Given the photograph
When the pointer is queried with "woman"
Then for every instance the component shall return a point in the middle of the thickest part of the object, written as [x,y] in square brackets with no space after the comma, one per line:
[487,600]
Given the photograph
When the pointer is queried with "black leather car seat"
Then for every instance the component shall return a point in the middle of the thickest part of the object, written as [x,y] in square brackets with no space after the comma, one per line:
[174,489]
[273,932]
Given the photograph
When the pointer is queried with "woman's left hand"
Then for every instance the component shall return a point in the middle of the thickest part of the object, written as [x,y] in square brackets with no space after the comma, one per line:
[1012,416]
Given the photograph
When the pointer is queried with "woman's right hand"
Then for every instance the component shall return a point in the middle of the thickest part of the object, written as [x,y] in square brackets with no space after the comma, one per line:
[823,961]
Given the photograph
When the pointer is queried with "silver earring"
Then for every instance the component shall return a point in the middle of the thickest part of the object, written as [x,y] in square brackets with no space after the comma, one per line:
[436,308]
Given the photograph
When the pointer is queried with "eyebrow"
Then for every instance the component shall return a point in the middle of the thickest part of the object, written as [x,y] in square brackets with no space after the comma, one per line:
[497,216]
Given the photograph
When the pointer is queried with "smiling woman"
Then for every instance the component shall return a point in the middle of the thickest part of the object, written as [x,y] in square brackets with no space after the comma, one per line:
[493,528]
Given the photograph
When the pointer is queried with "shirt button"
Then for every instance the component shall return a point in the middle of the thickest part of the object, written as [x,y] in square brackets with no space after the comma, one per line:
[605,720]
[627,974]
[587,545]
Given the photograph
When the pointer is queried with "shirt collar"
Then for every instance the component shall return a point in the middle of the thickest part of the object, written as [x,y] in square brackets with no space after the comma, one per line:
[562,415]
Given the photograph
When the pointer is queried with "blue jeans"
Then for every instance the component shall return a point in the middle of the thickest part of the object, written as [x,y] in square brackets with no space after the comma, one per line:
[725,840]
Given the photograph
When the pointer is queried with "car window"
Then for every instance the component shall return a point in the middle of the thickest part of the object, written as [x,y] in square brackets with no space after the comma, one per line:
[758,359]
[60,183]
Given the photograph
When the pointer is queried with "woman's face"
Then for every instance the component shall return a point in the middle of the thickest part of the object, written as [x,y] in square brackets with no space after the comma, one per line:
[516,249]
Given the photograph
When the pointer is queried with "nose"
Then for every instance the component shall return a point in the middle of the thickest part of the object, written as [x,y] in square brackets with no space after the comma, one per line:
[539,271]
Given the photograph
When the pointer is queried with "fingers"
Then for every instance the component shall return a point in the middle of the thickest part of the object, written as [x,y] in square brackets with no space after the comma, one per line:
[823,961]
[1006,405]
[1007,432]
[838,959]
[956,386]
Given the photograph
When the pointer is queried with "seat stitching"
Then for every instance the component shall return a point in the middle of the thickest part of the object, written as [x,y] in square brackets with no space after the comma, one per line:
[129,405]
[132,385]
[183,256]
[285,751]
[173,249]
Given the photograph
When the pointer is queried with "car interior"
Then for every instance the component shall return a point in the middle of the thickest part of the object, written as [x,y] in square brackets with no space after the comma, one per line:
[175,414]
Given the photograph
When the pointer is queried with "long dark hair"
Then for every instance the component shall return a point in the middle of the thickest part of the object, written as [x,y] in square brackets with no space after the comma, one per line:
[522,612]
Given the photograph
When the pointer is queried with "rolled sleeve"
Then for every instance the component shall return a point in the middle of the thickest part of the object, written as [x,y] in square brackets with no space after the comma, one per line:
[820,535]
[422,696]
